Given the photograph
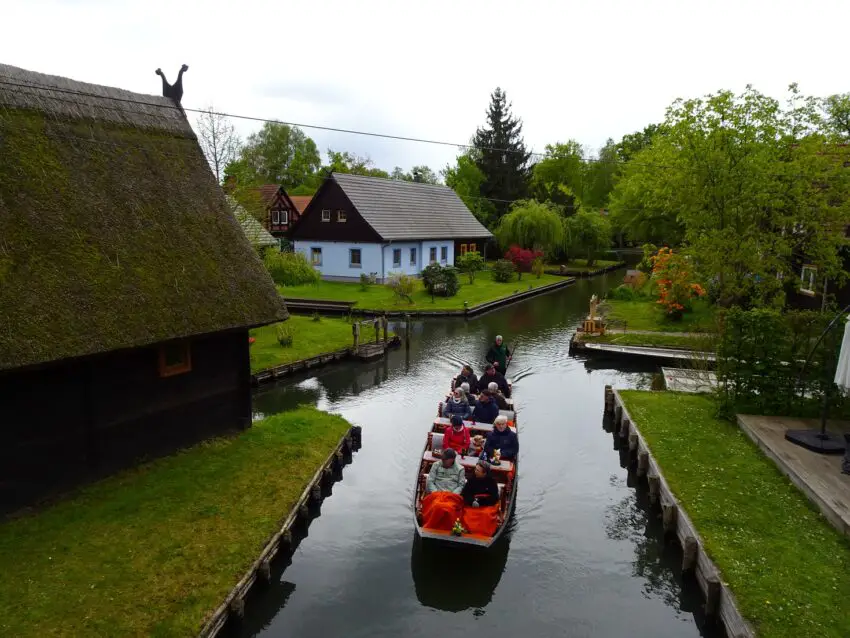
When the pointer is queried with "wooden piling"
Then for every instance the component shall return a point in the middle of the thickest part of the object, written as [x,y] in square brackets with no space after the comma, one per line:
[719,600]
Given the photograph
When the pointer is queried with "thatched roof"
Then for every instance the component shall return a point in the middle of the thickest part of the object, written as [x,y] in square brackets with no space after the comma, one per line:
[113,232]
[254,231]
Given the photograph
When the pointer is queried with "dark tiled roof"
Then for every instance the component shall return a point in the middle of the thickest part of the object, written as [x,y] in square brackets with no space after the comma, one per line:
[268,192]
[113,231]
[399,210]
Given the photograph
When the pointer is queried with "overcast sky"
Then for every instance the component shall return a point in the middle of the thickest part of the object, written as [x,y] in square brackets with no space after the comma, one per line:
[584,70]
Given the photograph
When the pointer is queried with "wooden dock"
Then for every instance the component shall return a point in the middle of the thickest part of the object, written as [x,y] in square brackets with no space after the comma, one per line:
[662,354]
[282,542]
[720,603]
[689,380]
[818,476]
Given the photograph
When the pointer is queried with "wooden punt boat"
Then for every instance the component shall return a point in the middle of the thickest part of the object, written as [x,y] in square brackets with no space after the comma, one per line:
[510,402]
[505,475]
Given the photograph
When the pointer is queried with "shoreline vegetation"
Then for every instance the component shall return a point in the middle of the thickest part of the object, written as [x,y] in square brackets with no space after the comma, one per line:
[695,341]
[645,314]
[310,338]
[786,565]
[379,297]
[154,550]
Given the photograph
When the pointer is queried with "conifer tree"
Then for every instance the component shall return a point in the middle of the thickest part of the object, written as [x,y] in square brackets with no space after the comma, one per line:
[501,155]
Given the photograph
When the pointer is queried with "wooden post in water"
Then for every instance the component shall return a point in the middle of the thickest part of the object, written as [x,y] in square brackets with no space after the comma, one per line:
[386,327]
[407,326]
[689,554]
[377,329]
[355,330]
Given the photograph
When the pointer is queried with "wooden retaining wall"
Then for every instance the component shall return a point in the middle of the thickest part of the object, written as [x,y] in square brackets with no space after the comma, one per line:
[281,543]
[584,274]
[720,603]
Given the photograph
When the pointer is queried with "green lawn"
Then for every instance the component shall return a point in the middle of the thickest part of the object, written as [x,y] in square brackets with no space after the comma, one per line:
[700,341]
[787,566]
[153,551]
[647,315]
[380,297]
[309,339]
[581,265]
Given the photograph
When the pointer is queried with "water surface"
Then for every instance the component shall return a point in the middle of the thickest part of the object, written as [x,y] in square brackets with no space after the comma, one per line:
[582,556]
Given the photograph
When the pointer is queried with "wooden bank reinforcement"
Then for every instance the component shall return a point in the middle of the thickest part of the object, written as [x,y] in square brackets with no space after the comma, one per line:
[720,605]
[283,542]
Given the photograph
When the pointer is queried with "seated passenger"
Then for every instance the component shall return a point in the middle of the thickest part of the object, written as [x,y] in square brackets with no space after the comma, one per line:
[442,505]
[481,489]
[497,396]
[485,410]
[468,393]
[457,436]
[457,405]
[446,475]
[502,438]
[492,376]
[466,376]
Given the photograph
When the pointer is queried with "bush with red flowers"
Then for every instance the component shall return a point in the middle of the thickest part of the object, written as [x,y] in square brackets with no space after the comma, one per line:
[522,258]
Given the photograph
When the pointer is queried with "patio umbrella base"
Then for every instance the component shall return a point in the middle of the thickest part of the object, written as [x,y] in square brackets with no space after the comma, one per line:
[813,440]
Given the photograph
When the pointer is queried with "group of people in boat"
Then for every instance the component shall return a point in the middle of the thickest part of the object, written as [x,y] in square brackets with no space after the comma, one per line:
[449,493]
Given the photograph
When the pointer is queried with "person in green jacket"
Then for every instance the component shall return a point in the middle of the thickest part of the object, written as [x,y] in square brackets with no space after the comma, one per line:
[499,355]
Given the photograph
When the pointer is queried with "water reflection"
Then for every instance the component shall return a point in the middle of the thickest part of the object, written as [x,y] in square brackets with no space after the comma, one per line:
[452,578]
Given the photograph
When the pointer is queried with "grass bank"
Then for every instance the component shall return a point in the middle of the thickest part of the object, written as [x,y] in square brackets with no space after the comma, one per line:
[700,342]
[309,339]
[788,568]
[380,297]
[580,265]
[152,551]
[648,315]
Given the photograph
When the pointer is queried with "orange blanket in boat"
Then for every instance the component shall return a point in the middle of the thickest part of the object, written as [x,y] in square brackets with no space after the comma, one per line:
[481,520]
[440,510]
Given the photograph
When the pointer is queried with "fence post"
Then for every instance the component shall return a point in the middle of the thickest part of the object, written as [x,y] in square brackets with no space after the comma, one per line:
[377,329]
[355,329]
[385,324]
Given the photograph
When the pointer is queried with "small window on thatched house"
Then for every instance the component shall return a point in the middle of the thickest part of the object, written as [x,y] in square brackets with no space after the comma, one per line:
[175,358]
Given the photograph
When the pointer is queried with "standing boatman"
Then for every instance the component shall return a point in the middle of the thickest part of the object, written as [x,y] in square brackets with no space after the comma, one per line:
[499,356]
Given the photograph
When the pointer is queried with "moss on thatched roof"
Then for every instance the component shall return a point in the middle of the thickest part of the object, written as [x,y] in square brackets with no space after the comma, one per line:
[113,232]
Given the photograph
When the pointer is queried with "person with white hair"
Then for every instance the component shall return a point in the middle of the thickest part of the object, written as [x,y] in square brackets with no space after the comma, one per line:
[499,355]
[502,438]
[497,396]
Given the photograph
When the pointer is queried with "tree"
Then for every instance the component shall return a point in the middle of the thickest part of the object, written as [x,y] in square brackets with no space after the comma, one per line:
[599,177]
[531,224]
[558,177]
[633,143]
[836,110]
[276,154]
[501,155]
[465,179]
[218,140]
[523,259]
[754,186]
[345,162]
[420,174]
[587,233]
[470,264]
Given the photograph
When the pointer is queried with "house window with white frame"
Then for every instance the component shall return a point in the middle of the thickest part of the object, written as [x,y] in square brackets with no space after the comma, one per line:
[354,258]
[432,255]
[326,215]
[396,257]
[808,280]
[412,256]
[316,256]
[275,217]
[444,254]
[341,216]
[284,216]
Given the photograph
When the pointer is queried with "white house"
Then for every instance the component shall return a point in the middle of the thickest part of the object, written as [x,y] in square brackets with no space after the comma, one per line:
[357,224]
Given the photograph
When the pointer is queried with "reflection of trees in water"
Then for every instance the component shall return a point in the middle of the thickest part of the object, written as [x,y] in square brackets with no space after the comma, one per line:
[457,577]
[656,561]
[275,398]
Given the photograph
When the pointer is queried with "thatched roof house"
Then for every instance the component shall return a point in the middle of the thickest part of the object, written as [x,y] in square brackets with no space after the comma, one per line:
[258,236]
[113,232]
[126,285]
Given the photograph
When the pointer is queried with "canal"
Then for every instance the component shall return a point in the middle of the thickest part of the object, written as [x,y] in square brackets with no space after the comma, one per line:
[582,556]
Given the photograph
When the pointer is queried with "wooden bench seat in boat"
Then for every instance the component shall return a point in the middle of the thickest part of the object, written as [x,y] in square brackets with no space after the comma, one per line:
[471,462]
[441,423]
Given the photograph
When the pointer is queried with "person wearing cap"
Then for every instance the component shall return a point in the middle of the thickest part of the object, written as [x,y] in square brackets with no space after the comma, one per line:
[485,410]
[499,355]
[497,396]
[491,375]
[502,438]
[481,489]
[446,475]
[457,405]
[456,437]
[467,376]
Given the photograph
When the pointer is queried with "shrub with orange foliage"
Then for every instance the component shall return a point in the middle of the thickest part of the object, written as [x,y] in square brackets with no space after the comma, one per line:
[672,276]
